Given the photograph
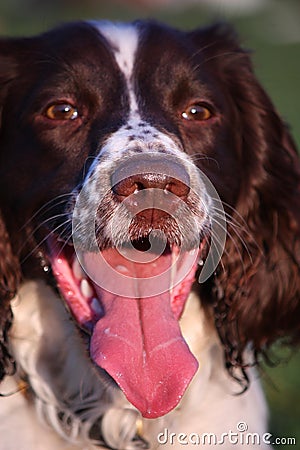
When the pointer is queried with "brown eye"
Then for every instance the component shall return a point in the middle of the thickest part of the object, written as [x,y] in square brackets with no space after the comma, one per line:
[62,111]
[197,112]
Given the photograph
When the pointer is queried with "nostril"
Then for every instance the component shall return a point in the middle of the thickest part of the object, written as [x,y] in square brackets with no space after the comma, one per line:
[178,188]
[126,187]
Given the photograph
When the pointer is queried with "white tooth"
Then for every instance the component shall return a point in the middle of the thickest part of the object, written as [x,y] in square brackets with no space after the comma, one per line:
[86,289]
[96,307]
[77,270]
[122,269]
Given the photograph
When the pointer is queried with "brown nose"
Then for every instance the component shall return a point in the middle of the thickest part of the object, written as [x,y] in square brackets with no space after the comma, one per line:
[150,180]
[153,180]
[148,172]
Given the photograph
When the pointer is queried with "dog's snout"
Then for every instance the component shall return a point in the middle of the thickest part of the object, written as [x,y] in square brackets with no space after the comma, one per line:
[151,188]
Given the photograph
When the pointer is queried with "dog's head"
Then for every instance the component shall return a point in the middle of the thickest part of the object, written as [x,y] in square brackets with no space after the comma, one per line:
[120,144]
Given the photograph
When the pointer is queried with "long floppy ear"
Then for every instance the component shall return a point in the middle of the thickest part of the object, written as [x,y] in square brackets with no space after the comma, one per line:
[9,264]
[256,288]
[9,278]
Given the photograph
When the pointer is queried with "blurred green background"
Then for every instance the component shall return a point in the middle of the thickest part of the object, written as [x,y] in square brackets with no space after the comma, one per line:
[272,29]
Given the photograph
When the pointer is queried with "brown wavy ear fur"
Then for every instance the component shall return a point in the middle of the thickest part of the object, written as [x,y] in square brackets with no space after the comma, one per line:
[9,279]
[9,263]
[256,289]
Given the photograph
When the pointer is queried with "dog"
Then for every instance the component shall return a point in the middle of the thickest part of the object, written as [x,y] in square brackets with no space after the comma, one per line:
[150,239]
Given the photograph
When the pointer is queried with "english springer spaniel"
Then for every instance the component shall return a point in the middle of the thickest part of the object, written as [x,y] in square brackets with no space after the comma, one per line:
[149,239]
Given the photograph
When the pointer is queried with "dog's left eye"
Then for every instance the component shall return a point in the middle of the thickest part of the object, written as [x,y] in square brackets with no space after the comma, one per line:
[61,111]
[198,112]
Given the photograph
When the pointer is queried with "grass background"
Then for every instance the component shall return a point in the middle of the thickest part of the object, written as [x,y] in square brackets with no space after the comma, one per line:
[273,32]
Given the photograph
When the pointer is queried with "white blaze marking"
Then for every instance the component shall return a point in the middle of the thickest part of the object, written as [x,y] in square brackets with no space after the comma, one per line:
[123,39]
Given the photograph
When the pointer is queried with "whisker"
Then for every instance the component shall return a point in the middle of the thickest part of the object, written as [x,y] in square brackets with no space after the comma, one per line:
[40,225]
[206,47]
[233,240]
[41,209]
[239,228]
[45,239]
[85,171]
[235,212]
[243,223]
[211,58]
[199,157]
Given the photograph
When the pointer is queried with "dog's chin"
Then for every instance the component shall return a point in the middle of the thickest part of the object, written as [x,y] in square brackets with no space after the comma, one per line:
[130,299]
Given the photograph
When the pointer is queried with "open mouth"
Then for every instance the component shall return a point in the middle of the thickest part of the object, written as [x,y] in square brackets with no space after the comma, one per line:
[130,300]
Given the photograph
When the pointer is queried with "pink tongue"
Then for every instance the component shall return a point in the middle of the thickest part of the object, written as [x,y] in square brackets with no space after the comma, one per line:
[139,343]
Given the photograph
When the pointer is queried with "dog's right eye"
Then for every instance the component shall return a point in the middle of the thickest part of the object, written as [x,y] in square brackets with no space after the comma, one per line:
[61,111]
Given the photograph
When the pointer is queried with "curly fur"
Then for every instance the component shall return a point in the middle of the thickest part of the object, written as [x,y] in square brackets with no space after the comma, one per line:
[9,282]
[256,290]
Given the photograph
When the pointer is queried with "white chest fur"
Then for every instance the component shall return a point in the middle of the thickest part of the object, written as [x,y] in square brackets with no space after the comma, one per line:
[49,349]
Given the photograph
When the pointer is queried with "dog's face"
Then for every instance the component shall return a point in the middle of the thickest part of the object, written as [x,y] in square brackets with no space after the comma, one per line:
[107,138]
[109,133]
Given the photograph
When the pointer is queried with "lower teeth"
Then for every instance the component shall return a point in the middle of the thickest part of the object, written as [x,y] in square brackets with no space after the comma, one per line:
[86,289]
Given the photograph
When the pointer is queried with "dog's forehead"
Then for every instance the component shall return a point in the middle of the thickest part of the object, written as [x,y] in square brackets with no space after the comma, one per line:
[127,40]
[142,44]
[123,40]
